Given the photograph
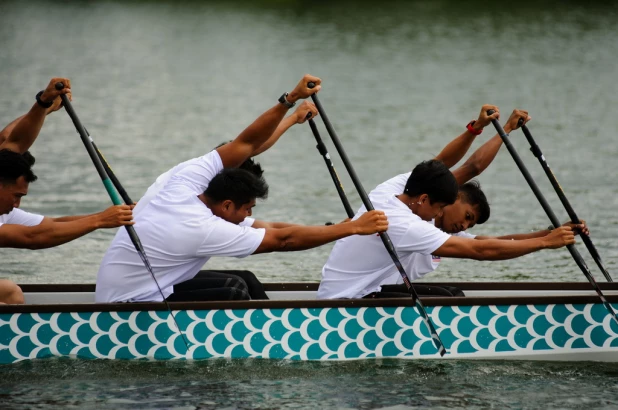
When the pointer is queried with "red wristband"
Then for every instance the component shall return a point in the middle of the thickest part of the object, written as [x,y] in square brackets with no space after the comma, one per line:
[472,130]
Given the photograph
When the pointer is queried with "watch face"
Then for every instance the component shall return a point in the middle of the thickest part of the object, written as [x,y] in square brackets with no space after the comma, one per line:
[284,101]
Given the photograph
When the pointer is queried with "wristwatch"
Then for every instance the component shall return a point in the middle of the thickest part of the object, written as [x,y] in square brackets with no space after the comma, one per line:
[43,103]
[283,100]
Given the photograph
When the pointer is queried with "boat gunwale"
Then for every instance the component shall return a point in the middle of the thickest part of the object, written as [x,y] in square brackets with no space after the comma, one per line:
[313,286]
[324,303]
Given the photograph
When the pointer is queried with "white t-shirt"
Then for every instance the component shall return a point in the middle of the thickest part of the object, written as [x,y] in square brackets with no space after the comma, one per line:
[179,234]
[424,264]
[19,217]
[359,265]
[160,182]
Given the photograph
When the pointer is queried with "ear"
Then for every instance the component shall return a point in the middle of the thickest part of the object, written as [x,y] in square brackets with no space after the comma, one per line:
[226,204]
[423,198]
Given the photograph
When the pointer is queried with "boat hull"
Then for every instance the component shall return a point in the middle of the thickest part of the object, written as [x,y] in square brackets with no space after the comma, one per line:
[471,328]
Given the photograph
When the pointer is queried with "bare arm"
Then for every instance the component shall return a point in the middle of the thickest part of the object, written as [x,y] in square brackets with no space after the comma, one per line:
[456,149]
[20,134]
[49,233]
[272,225]
[255,135]
[4,134]
[482,157]
[577,228]
[298,117]
[296,238]
[496,249]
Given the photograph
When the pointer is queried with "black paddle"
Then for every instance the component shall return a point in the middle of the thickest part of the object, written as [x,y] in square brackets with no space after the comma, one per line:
[550,213]
[331,169]
[105,177]
[536,151]
[383,235]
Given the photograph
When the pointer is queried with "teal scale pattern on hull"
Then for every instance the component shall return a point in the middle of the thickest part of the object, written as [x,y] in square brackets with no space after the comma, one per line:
[308,334]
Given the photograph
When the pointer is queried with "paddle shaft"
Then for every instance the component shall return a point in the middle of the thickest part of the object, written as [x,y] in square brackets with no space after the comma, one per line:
[536,151]
[331,169]
[388,244]
[92,152]
[550,213]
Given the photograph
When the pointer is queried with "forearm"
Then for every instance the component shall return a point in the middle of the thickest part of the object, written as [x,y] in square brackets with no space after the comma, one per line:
[479,160]
[306,237]
[256,134]
[24,130]
[272,225]
[498,249]
[71,218]
[283,126]
[46,235]
[524,236]
[456,149]
[297,238]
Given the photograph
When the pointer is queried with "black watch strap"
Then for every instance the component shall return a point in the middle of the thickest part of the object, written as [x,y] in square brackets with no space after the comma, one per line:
[44,104]
[283,100]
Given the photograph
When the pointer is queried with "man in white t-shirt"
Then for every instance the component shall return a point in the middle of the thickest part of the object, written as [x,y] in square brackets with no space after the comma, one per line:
[361,267]
[219,284]
[19,229]
[197,214]
[471,206]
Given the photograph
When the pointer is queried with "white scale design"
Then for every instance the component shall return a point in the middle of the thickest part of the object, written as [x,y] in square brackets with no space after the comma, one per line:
[308,333]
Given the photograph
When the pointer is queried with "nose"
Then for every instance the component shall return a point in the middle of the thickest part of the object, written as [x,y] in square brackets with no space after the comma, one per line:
[17,202]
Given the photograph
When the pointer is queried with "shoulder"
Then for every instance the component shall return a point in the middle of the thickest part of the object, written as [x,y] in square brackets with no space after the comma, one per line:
[20,217]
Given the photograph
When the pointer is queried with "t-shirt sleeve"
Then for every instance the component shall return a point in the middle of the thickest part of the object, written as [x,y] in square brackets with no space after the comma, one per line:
[19,217]
[227,239]
[197,175]
[464,234]
[247,222]
[393,186]
[422,237]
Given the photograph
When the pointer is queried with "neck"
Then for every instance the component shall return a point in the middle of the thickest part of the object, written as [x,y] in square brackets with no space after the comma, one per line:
[207,201]
[410,201]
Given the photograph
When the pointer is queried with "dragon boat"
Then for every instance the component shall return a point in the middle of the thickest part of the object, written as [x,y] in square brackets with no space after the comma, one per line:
[496,320]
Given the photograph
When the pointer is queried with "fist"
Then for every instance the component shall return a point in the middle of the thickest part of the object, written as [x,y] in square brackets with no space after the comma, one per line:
[302,89]
[305,111]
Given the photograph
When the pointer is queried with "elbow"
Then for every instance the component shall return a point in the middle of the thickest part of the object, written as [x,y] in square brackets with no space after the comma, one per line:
[34,243]
[473,168]
[482,253]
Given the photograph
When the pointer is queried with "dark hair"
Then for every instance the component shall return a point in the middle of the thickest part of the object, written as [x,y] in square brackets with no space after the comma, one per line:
[434,179]
[473,195]
[13,166]
[29,158]
[238,185]
[249,165]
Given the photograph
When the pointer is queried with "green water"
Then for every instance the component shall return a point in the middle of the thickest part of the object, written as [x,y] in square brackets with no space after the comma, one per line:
[157,83]
[248,384]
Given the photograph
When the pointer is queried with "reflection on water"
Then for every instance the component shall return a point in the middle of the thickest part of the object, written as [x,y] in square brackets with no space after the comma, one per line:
[250,383]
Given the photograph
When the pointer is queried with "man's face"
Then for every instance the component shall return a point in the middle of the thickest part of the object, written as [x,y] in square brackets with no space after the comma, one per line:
[11,194]
[458,217]
[234,214]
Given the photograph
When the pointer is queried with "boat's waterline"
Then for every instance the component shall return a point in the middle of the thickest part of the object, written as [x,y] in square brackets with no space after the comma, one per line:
[568,327]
